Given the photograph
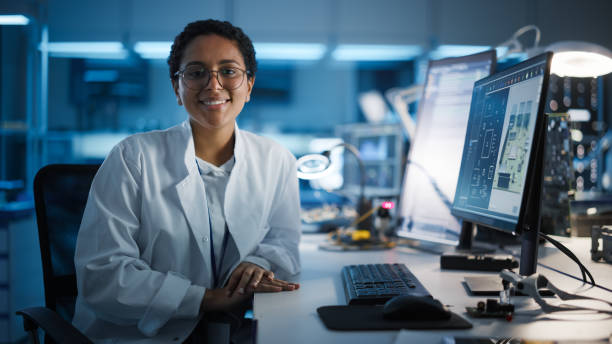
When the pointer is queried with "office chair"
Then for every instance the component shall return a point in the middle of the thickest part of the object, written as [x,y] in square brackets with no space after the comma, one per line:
[60,195]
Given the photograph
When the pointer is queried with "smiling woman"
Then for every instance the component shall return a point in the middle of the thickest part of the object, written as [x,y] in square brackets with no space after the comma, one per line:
[184,225]
[212,103]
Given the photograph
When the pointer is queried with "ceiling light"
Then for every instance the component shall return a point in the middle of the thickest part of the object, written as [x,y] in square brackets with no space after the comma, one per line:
[374,52]
[452,50]
[289,51]
[153,50]
[14,19]
[88,50]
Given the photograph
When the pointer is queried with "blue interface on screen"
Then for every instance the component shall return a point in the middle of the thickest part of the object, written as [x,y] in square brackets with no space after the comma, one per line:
[498,145]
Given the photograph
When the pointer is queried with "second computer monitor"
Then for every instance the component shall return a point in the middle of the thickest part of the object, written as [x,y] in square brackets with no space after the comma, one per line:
[430,176]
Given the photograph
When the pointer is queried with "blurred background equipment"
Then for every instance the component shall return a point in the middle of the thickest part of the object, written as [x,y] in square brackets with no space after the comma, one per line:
[313,166]
[558,178]
[381,149]
[601,243]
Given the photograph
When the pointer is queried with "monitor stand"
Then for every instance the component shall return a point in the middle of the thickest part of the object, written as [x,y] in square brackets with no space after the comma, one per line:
[466,240]
[469,257]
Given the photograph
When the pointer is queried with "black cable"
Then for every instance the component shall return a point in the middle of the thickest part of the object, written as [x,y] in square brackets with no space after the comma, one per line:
[518,256]
[566,252]
[570,275]
[572,256]
[583,268]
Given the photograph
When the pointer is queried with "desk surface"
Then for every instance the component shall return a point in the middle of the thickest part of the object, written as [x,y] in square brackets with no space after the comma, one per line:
[291,317]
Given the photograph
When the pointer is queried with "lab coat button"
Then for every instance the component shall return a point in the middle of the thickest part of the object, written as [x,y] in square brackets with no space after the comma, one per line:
[205,239]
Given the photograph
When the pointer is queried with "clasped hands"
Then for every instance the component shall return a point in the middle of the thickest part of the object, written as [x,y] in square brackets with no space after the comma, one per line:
[246,279]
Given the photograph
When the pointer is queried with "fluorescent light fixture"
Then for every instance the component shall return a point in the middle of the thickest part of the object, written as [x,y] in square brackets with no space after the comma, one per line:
[289,51]
[153,50]
[14,19]
[95,145]
[580,59]
[264,51]
[375,52]
[452,50]
[87,50]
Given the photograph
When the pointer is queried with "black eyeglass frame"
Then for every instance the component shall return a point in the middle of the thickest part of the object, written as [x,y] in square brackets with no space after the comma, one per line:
[181,74]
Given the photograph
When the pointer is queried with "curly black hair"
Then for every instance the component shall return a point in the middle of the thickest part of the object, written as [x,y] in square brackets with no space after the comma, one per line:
[209,27]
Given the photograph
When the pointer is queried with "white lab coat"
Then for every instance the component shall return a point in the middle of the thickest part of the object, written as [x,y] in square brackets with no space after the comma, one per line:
[143,250]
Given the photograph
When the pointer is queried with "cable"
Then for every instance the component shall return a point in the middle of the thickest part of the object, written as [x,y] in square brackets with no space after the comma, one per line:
[571,255]
[364,216]
[571,276]
[516,255]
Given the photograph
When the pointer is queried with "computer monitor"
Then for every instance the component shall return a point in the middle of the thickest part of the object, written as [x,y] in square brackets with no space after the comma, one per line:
[381,148]
[430,176]
[500,179]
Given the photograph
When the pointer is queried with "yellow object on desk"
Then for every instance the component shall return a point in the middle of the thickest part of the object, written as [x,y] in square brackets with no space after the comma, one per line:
[360,234]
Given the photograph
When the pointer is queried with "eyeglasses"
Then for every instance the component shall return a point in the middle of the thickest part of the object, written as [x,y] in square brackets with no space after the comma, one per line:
[196,77]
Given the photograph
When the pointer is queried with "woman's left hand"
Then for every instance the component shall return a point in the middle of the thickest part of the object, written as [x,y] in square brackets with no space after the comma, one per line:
[249,277]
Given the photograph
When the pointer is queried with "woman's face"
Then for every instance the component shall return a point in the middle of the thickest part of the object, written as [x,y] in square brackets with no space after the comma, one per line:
[213,106]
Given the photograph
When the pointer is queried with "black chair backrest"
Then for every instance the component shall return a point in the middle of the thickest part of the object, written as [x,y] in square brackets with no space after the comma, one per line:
[60,195]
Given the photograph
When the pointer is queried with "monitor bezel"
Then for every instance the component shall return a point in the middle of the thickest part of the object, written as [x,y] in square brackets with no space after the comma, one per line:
[531,179]
[492,56]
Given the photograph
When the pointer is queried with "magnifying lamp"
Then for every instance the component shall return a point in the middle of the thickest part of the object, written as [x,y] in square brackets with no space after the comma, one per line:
[571,58]
[314,166]
[580,59]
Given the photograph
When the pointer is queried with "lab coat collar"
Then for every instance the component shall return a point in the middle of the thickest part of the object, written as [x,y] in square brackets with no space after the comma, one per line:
[189,153]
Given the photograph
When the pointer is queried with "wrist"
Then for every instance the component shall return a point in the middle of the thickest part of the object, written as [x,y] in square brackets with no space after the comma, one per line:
[208,303]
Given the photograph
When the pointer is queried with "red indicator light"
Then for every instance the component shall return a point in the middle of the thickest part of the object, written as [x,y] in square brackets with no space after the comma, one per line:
[387,205]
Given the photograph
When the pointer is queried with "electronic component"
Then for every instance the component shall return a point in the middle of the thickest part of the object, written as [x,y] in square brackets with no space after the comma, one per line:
[491,309]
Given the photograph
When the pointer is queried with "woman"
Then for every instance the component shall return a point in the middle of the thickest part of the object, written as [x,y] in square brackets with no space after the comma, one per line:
[190,220]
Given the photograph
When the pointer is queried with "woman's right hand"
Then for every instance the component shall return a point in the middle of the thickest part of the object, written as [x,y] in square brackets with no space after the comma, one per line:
[221,299]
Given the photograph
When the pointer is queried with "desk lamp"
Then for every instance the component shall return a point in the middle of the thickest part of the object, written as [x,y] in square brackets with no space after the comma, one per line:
[314,166]
[571,58]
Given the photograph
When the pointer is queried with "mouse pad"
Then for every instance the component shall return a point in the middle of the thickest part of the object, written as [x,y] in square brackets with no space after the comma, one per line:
[362,318]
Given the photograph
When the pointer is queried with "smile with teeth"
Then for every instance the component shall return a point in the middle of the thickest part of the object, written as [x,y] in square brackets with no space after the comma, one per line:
[214,102]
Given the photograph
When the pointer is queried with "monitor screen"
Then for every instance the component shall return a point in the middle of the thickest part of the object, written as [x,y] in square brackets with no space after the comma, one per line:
[497,167]
[435,154]
[381,149]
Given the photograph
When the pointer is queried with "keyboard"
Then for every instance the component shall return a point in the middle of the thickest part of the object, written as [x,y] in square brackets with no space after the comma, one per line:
[371,284]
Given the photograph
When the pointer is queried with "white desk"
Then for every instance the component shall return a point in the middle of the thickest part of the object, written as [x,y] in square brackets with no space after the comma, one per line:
[291,317]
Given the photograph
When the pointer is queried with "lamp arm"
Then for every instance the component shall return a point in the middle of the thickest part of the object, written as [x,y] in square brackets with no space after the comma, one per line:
[527,28]
[362,170]
[514,45]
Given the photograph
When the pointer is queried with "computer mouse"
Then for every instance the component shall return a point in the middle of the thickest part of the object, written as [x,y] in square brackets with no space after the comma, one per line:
[415,308]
